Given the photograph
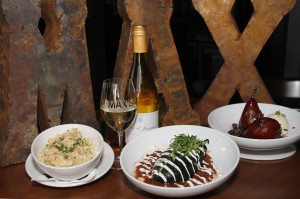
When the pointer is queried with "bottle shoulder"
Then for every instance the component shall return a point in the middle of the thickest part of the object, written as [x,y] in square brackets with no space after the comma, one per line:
[145,86]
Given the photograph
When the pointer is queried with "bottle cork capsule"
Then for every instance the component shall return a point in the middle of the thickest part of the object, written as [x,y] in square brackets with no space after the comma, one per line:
[139,39]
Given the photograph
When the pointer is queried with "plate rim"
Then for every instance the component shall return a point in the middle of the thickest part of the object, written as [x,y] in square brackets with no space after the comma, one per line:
[107,156]
[286,152]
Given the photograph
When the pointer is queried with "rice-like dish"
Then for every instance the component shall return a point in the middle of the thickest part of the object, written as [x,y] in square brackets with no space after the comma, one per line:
[67,149]
[281,118]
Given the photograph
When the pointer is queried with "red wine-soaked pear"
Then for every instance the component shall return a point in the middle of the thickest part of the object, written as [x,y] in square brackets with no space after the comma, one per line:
[250,113]
[264,128]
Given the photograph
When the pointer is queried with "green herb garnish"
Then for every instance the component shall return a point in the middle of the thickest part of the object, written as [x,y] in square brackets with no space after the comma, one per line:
[61,147]
[64,148]
[185,144]
[278,113]
[80,142]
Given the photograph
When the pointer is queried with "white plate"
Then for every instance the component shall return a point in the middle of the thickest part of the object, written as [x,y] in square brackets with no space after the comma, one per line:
[275,154]
[105,164]
[223,150]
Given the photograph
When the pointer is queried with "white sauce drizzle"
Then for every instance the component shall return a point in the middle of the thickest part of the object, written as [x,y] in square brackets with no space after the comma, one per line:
[149,160]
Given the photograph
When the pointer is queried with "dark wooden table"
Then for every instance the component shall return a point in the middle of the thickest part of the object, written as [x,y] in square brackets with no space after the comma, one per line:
[252,179]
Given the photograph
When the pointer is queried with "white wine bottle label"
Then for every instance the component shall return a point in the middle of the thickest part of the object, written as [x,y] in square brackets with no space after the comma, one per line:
[143,123]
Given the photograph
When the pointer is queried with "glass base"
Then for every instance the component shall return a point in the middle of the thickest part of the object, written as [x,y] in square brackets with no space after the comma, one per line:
[116,165]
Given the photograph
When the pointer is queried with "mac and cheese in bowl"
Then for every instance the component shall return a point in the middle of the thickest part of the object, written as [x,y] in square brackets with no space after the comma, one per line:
[68,151]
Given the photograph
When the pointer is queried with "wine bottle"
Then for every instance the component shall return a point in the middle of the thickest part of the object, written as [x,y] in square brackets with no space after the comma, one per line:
[147,97]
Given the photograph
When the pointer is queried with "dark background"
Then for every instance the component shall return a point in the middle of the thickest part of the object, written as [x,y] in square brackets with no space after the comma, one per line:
[199,56]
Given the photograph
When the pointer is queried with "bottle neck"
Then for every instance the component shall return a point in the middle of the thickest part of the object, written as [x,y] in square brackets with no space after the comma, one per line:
[138,55]
[138,69]
[139,62]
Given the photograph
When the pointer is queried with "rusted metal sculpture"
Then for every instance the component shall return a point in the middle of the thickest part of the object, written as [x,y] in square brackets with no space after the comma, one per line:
[44,80]
[239,50]
[166,68]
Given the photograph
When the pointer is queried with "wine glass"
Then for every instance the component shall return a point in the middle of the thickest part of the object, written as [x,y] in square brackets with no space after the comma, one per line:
[118,109]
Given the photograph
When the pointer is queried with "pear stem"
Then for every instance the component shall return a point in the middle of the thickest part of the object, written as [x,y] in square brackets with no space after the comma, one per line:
[253,93]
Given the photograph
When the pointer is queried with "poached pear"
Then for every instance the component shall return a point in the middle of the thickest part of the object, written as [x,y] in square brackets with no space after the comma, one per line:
[264,128]
[251,112]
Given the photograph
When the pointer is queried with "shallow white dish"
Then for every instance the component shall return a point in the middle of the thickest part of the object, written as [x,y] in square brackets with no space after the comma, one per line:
[103,167]
[222,119]
[223,150]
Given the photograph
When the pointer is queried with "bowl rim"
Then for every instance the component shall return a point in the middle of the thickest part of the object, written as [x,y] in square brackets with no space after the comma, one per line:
[75,125]
[216,181]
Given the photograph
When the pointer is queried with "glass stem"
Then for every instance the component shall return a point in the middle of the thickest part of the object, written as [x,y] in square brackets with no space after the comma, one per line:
[120,135]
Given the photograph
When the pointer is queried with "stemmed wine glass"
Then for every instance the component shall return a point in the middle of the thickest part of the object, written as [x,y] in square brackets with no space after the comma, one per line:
[118,108]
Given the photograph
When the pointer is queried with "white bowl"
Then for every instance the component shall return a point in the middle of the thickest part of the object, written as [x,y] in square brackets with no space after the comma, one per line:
[72,172]
[224,152]
[222,119]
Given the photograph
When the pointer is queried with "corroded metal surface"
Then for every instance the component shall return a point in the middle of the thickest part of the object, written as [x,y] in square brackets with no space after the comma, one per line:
[166,67]
[44,80]
[239,50]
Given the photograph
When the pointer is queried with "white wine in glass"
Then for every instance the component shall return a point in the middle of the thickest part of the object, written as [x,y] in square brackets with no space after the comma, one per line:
[118,108]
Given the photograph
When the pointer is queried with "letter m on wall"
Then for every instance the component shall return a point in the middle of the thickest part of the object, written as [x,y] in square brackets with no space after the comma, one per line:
[44,72]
